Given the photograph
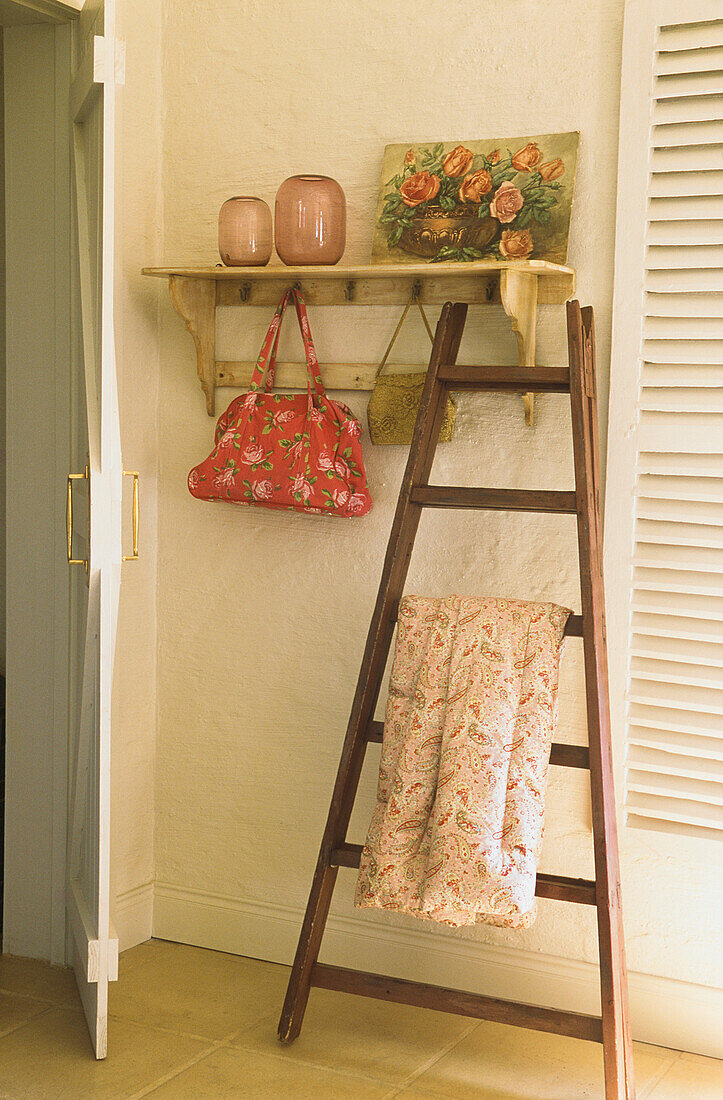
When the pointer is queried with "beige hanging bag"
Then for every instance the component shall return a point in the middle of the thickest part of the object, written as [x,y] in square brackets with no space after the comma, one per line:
[394,403]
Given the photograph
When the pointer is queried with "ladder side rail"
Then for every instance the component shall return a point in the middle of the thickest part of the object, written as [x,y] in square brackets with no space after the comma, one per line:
[396,564]
[613,982]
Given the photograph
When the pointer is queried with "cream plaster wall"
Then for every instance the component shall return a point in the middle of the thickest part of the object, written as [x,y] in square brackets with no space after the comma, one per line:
[262,616]
[138,241]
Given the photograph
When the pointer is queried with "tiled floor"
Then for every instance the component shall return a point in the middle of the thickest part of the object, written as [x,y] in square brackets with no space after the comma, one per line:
[193,1024]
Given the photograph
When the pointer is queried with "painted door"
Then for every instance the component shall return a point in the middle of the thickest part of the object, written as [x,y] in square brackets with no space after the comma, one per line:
[94,519]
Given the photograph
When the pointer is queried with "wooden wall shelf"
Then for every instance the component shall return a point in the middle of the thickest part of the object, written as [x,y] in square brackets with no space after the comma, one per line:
[197,291]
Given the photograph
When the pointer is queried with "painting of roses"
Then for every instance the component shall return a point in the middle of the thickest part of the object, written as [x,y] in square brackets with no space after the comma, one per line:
[497,200]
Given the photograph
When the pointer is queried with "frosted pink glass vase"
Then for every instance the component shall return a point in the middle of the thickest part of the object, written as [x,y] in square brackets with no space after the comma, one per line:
[310,220]
[245,232]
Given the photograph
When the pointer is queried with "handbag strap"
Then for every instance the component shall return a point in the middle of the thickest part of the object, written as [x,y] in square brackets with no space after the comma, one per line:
[414,297]
[266,362]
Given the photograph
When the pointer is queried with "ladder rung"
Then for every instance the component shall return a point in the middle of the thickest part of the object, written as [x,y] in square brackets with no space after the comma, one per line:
[540,379]
[570,756]
[561,888]
[504,500]
[575,1024]
[558,887]
[564,756]
[346,855]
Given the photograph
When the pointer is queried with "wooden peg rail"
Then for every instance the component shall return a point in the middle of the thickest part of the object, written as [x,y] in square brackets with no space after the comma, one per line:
[519,288]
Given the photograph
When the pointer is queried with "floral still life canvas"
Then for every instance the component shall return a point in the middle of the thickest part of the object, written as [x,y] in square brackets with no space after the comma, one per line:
[496,200]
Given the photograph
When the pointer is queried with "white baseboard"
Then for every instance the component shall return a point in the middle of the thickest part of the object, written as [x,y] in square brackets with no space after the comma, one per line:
[664,1011]
[133,916]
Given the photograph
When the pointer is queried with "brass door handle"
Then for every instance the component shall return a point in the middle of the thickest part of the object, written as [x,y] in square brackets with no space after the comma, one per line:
[136,515]
[69,519]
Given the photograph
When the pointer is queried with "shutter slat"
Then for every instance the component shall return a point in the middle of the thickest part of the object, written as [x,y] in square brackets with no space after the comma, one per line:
[699,748]
[679,810]
[687,108]
[686,231]
[682,399]
[686,133]
[663,184]
[644,819]
[690,36]
[680,464]
[686,328]
[673,208]
[674,672]
[676,786]
[703,60]
[680,487]
[688,351]
[676,626]
[675,721]
[681,511]
[677,649]
[697,811]
[673,85]
[681,584]
[674,376]
[677,534]
[684,282]
[673,304]
[707,157]
[691,559]
[687,698]
[647,761]
[684,256]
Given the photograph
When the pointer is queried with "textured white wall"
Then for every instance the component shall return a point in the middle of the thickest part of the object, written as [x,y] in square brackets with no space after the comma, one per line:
[263,616]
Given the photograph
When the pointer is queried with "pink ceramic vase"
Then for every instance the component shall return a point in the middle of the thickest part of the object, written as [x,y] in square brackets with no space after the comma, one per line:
[310,220]
[245,232]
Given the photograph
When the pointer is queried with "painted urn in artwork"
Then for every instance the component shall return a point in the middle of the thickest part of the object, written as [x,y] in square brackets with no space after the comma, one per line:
[310,221]
[438,230]
[245,232]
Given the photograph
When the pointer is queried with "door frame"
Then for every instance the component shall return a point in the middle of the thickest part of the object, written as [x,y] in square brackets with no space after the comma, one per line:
[40,275]
[53,11]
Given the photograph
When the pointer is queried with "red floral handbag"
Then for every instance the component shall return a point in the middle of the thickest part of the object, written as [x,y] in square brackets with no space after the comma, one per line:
[279,450]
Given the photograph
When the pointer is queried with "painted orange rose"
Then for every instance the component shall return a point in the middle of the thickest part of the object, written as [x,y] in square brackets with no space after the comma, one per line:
[421,187]
[516,244]
[457,162]
[494,156]
[507,203]
[409,157]
[474,186]
[527,158]
[551,169]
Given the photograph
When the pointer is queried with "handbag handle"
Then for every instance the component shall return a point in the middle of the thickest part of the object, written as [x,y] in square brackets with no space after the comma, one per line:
[270,347]
[414,297]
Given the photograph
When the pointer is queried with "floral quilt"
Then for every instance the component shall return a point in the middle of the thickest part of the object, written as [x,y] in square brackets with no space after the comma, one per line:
[457,828]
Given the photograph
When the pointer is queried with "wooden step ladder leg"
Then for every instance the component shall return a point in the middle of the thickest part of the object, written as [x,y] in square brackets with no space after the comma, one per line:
[617,1045]
[396,564]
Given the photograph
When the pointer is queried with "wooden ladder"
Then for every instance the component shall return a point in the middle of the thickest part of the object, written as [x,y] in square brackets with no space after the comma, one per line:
[612,1028]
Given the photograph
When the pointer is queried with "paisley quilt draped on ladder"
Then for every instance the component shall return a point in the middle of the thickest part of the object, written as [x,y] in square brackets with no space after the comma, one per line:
[457,828]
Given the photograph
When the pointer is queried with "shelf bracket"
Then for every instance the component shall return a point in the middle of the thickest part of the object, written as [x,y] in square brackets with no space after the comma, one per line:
[518,292]
[195,301]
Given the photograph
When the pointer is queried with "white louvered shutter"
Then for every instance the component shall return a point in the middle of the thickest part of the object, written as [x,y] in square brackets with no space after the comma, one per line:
[664,510]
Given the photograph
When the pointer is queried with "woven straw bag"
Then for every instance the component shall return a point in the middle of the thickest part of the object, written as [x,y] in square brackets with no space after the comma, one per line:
[394,403]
